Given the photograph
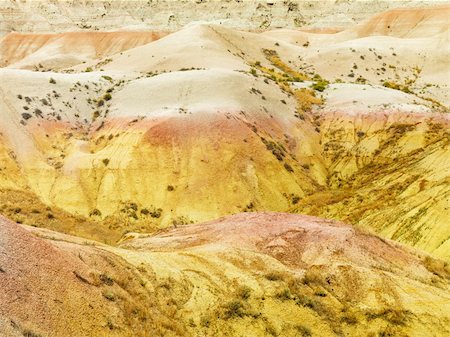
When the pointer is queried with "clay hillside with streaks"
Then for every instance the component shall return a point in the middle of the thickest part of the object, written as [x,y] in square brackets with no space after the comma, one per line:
[224,168]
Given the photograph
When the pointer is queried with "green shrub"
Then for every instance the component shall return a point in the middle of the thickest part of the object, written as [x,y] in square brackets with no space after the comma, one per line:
[283,295]
[95,115]
[320,293]
[303,330]
[109,295]
[29,333]
[234,309]
[304,301]
[26,116]
[288,167]
[106,279]
[321,85]
[270,330]
[274,276]
[95,212]
[156,213]
[244,292]
[396,86]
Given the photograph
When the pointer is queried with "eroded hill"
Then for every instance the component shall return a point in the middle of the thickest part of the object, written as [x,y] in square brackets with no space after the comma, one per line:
[349,125]
[56,16]
[263,274]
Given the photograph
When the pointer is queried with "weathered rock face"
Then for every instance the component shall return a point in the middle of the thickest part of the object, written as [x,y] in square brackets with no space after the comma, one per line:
[57,16]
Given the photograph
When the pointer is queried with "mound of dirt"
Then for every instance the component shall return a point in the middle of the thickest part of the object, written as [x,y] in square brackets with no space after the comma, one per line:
[60,289]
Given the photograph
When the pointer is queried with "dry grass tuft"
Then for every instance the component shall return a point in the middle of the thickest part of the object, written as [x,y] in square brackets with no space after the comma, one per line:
[306,98]
[437,267]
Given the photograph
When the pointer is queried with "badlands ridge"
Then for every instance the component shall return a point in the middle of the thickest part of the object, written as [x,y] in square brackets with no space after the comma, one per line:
[142,176]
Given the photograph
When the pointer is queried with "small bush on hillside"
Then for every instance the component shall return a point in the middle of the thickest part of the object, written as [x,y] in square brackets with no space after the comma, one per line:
[234,309]
[107,97]
[320,293]
[95,115]
[29,333]
[320,85]
[52,80]
[437,267]
[288,167]
[295,199]
[38,112]
[304,301]
[312,276]
[109,295]
[396,86]
[106,279]
[303,330]
[26,116]
[274,276]
[391,315]
[244,292]
[95,212]
[349,318]
[283,295]
[156,213]
[270,330]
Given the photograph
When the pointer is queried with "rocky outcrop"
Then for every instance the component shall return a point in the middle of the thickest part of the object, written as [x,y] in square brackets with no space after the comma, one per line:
[55,16]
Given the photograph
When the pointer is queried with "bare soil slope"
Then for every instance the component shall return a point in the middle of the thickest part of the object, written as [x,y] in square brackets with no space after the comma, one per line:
[350,125]
[253,273]
[62,289]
